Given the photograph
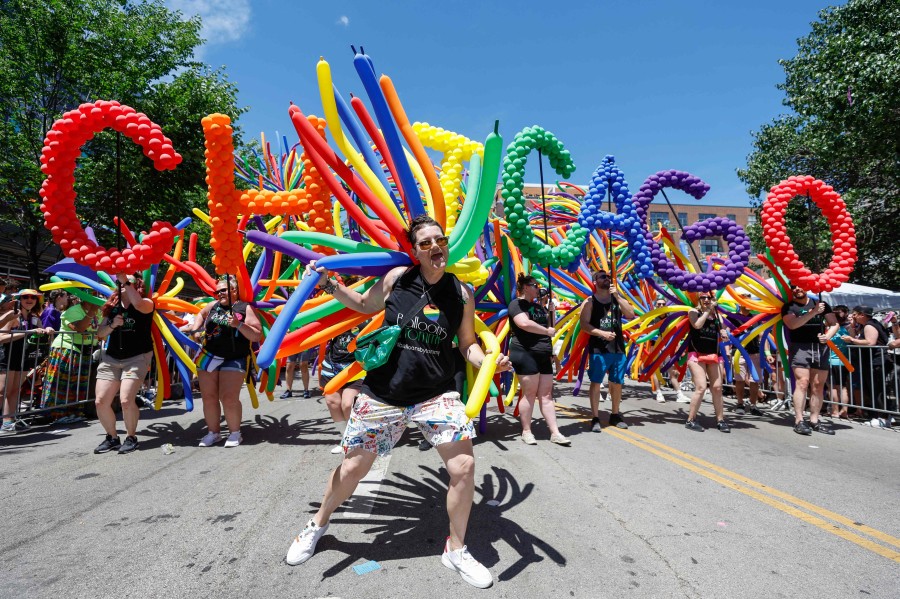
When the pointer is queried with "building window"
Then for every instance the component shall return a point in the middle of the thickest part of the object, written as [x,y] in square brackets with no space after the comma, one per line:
[709,246]
[704,216]
[682,218]
[751,220]
[657,219]
[731,217]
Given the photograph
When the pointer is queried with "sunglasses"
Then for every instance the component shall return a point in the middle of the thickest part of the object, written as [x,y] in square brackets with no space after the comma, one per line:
[705,297]
[221,291]
[28,297]
[602,276]
[426,244]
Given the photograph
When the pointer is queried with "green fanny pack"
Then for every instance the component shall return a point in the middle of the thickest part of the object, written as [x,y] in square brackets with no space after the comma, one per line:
[373,349]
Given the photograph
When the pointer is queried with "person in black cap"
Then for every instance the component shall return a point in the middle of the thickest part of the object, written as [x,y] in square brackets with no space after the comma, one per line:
[808,355]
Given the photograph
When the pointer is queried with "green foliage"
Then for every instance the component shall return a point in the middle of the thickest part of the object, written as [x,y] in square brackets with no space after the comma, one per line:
[851,143]
[55,55]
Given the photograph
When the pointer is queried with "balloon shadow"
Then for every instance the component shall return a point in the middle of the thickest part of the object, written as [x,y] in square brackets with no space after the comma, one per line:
[406,513]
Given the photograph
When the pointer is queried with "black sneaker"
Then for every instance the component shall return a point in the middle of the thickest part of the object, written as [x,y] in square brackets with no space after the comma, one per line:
[287,394]
[306,395]
[595,425]
[755,411]
[723,426]
[693,425]
[108,444]
[130,444]
[739,409]
[801,428]
[821,427]
[424,445]
[616,421]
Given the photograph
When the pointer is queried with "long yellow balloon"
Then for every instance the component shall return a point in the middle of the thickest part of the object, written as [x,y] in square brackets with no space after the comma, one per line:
[479,389]
[173,345]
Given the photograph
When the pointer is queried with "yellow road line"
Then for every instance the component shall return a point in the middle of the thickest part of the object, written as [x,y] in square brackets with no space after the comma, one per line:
[711,473]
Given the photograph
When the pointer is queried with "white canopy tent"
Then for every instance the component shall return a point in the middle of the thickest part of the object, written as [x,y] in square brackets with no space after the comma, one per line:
[855,295]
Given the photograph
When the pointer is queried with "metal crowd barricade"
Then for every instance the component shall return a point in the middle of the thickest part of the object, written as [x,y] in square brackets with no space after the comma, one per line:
[42,373]
[873,387]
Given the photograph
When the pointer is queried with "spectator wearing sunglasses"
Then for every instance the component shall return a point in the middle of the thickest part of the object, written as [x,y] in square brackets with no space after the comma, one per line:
[530,350]
[704,361]
[230,327]
[601,318]
[416,385]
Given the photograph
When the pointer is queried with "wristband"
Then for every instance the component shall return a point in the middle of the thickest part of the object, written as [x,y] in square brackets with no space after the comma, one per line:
[329,286]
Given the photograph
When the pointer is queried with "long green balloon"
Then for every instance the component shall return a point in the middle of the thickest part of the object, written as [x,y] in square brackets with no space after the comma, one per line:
[487,187]
[332,241]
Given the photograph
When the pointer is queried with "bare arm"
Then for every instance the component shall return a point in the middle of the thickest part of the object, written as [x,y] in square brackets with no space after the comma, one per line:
[250,327]
[698,318]
[792,321]
[468,343]
[368,302]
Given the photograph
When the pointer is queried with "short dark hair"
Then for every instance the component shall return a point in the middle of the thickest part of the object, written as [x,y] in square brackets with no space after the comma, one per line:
[420,222]
[522,280]
[841,307]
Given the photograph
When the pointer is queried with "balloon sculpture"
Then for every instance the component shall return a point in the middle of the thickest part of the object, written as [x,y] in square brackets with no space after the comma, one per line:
[344,193]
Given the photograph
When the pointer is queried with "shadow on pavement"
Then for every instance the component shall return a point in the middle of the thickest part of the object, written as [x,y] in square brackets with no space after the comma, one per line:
[408,519]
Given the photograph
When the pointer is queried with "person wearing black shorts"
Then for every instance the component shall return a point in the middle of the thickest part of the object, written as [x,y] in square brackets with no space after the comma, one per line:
[530,351]
[808,356]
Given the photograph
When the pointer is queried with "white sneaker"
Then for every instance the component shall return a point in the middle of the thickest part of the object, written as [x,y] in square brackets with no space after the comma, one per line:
[304,545]
[682,398]
[560,439]
[659,396]
[337,449]
[234,439]
[468,567]
[210,439]
[528,438]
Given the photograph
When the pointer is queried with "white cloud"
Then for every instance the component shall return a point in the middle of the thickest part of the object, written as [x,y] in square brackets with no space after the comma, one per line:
[223,20]
[344,20]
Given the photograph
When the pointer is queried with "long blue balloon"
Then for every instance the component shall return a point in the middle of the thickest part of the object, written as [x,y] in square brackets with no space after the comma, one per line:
[359,137]
[366,73]
[80,279]
[282,324]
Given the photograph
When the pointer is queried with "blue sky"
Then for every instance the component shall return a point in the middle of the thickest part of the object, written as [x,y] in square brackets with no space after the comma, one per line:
[658,84]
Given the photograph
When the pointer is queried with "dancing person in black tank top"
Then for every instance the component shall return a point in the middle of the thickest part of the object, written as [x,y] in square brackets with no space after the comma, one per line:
[531,350]
[415,385]
[125,361]
[704,361]
[229,326]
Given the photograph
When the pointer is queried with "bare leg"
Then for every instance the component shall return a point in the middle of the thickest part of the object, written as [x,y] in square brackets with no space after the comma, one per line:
[548,407]
[594,394]
[801,376]
[106,393]
[698,374]
[289,375]
[816,394]
[460,462]
[528,383]
[615,394]
[343,482]
[131,413]
[230,384]
[304,375]
[209,391]
[348,396]
[714,375]
[11,385]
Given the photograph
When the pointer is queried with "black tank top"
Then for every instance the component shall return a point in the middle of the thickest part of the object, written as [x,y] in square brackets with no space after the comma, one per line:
[705,340]
[606,318]
[422,364]
[222,340]
[133,337]
[16,351]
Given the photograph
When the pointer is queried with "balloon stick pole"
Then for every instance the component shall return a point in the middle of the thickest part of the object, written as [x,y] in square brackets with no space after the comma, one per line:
[230,306]
[119,218]
[546,236]
[681,230]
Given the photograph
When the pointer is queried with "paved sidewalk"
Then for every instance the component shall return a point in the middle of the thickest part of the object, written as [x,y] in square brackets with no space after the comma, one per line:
[654,511]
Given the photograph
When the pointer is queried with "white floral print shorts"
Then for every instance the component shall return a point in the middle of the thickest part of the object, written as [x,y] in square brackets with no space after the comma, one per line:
[376,427]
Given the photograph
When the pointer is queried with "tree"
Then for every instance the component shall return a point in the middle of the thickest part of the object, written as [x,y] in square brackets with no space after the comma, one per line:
[55,55]
[843,88]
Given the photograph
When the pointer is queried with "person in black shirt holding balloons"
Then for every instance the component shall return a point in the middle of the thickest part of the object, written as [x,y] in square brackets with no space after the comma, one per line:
[808,355]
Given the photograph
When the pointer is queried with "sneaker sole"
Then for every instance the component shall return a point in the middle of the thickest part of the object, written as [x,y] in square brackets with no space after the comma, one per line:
[99,451]
[478,585]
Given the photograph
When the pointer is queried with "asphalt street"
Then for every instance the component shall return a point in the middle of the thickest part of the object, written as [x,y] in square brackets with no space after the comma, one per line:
[654,511]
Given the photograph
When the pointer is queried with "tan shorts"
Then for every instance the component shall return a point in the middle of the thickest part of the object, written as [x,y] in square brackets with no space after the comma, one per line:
[111,369]
[743,373]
